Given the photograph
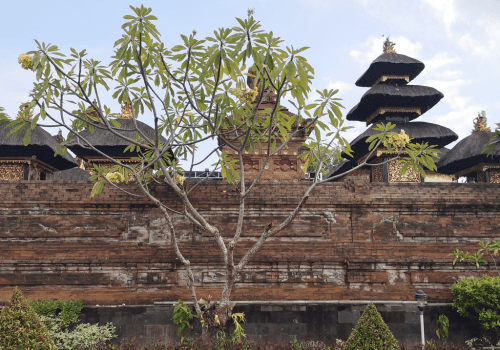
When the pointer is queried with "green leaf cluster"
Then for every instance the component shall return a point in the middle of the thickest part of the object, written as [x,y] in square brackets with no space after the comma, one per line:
[371,333]
[67,310]
[20,327]
[492,248]
[183,316]
[480,295]
[415,155]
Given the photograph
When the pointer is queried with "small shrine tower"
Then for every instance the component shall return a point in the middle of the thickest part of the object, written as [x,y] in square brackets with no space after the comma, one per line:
[283,166]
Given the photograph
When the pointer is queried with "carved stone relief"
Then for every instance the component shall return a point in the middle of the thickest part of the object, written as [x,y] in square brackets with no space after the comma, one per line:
[494,176]
[394,169]
[11,171]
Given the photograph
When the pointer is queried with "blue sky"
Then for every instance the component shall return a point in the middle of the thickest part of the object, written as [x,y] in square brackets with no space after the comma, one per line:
[458,40]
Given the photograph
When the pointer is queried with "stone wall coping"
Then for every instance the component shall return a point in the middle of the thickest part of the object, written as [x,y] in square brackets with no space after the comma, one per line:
[309,302]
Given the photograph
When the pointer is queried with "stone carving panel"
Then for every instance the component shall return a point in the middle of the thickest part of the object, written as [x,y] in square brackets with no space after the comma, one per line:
[378,173]
[494,176]
[394,169]
[11,171]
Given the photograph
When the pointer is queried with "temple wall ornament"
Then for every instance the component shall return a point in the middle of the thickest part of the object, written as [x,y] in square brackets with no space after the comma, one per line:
[481,123]
[494,176]
[394,173]
[438,177]
[384,110]
[11,171]
[377,173]
[387,77]
[24,169]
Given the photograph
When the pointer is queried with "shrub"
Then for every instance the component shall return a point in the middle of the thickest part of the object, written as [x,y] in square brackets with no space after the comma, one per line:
[20,327]
[371,333]
[67,310]
[83,335]
[482,295]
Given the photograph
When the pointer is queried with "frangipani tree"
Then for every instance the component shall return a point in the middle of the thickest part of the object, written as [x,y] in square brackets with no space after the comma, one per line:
[196,94]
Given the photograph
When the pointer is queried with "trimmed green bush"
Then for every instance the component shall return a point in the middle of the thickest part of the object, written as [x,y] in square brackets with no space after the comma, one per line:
[20,327]
[482,295]
[67,310]
[371,333]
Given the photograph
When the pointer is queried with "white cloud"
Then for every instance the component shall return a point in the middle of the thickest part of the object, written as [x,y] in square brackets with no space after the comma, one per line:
[467,43]
[446,11]
[341,85]
[440,60]
[374,44]
[462,109]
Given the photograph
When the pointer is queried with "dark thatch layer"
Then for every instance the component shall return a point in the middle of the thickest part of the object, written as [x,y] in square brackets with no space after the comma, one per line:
[42,146]
[73,174]
[390,63]
[346,165]
[420,132]
[109,143]
[394,96]
[468,153]
[444,151]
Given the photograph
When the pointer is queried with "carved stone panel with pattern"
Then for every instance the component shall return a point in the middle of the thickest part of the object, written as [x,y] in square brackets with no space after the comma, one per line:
[394,173]
[11,171]
[494,176]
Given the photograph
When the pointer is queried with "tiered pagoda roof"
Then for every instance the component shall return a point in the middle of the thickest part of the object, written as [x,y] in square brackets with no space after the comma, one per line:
[391,99]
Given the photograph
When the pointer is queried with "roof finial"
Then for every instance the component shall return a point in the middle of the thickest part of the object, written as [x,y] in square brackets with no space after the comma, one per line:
[126,111]
[389,45]
[481,123]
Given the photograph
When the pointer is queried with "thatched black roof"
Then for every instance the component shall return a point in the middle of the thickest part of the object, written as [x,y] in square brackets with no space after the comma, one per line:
[346,165]
[42,145]
[390,63]
[468,153]
[420,132]
[379,96]
[109,143]
[73,174]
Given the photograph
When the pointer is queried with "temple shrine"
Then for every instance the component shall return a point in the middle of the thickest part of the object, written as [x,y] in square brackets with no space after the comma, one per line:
[35,161]
[391,99]
[282,166]
[468,159]
[110,144]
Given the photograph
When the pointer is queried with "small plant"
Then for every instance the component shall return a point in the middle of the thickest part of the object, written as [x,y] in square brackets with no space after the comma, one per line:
[183,316]
[20,327]
[238,318]
[371,332]
[442,328]
[490,247]
[431,343]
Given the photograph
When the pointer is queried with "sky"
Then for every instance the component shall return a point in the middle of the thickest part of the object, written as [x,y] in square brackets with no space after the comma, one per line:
[458,41]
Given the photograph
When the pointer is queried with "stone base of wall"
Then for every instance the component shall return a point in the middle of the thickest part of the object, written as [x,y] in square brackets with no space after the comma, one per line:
[285,322]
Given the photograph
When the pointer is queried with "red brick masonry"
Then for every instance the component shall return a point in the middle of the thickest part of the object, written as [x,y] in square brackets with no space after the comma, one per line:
[353,241]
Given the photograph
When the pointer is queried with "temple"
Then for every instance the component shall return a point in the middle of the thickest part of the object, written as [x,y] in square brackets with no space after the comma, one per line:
[35,161]
[284,165]
[468,159]
[391,99]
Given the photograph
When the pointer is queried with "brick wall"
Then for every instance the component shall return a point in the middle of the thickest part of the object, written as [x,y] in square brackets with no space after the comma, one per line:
[353,241]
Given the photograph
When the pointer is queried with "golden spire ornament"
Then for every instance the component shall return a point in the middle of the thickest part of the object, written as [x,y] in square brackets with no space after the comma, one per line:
[389,45]
[481,123]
